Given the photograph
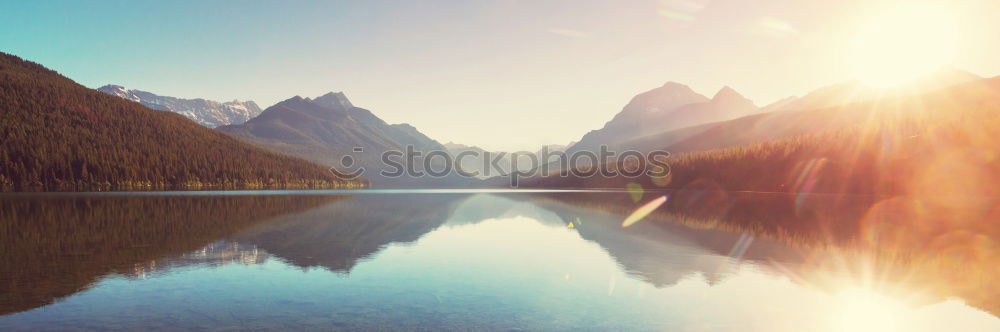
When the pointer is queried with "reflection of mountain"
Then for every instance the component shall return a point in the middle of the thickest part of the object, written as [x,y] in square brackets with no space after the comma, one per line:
[55,246]
[659,253]
[816,240]
[339,234]
[214,254]
[927,250]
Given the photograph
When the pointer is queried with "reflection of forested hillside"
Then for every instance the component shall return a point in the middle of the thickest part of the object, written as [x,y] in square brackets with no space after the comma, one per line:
[934,248]
[54,246]
[337,235]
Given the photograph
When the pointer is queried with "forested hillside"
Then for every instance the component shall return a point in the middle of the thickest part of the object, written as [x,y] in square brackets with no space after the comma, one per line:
[58,135]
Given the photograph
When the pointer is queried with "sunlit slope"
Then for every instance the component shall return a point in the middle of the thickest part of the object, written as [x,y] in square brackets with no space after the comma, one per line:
[819,110]
[939,143]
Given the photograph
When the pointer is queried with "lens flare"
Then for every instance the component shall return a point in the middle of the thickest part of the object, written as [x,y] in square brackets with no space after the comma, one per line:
[741,246]
[644,211]
[635,191]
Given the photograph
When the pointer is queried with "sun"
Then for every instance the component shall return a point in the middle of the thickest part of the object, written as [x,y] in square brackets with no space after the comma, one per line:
[903,43]
[865,310]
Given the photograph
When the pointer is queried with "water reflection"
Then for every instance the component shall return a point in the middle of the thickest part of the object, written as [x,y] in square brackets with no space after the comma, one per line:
[337,235]
[704,260]
[55,246]
[915,249]
[215,254]
[665,253]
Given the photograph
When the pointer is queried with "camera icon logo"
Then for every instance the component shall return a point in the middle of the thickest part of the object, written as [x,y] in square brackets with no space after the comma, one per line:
[347,162]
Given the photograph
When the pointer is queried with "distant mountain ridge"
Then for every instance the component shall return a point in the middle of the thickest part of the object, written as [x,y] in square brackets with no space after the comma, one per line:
[785,118]
[329,128]
[329,122]
[475,158]
[671,106]
[643,125]
[208,113]
[854,91]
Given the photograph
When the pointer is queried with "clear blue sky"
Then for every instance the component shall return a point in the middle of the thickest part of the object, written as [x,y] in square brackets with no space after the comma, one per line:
[501,74]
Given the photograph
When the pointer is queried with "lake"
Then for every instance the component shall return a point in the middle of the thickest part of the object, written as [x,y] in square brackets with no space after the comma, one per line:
[495,260]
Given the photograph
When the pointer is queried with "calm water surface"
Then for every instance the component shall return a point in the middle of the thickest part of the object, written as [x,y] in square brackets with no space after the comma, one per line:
[487,261]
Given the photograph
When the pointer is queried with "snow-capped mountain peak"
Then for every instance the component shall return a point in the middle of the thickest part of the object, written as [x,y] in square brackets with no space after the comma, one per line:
[208,113]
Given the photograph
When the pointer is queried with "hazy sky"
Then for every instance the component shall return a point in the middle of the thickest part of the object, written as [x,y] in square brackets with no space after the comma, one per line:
[498,74]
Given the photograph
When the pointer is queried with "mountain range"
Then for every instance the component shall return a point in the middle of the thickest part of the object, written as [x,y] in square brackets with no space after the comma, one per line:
[87,137]
[208,113]
[59,135]
[905,141]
